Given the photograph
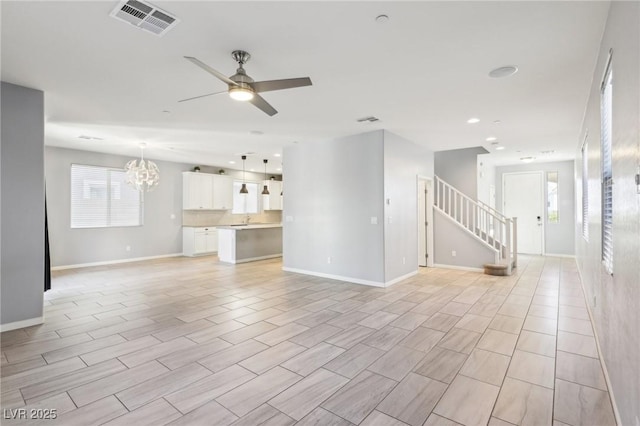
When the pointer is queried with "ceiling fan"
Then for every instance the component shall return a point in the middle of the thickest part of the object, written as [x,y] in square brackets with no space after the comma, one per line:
[241,87]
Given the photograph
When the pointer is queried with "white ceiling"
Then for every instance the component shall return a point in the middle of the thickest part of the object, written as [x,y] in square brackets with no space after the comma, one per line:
[423,73]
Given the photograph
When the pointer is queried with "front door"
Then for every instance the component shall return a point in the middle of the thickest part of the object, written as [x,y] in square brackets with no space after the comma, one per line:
[522,198]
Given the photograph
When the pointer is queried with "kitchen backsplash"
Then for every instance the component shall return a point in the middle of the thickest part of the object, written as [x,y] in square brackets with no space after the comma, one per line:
[213,218]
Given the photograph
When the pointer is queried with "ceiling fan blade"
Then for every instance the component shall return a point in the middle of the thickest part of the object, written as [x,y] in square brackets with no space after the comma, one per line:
[288,83]
[259,102]
[202,96]
[210,70]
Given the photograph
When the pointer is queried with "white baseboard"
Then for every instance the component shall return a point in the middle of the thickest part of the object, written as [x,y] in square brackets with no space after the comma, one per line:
[401,278]
[113,262]
[350,279]
[21,324]
[569,256]
[252,259]
[616,413]
[460,268]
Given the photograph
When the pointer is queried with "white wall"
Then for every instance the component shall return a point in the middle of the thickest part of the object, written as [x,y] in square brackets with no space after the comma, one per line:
[617,298]
[22,197]
[333,190]
[403,162]
[559,238]
[486,179]
[160,234]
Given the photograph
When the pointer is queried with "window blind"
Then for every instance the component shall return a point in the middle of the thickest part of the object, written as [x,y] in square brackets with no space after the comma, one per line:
[585,189]
[100,197]
[606,114]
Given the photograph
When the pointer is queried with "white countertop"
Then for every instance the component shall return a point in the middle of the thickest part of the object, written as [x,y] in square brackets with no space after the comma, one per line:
[250,226]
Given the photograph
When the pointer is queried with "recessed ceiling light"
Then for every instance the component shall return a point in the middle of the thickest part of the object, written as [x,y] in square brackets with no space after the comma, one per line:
[232,162]
[491,139]
[497,121]
[381,19]
[256,132]
[278,169]
[499,148]
[527,159]
[166,111]
[473,120]
[502,72]
[252,170]
[276,155]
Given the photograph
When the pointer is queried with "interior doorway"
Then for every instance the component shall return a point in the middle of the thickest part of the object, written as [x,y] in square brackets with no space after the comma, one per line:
[522,197]
[425,221]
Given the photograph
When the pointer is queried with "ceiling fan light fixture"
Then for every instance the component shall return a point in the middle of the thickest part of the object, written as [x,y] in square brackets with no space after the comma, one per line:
[240,93]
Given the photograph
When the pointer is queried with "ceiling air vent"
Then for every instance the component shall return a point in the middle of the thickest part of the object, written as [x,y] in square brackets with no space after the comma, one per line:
[145,16]
[370,119]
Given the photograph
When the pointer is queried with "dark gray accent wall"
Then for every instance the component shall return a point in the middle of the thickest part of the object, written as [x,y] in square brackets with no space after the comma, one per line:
[614,300]
[22,198]
[559,237]
[459,167]
[160,234]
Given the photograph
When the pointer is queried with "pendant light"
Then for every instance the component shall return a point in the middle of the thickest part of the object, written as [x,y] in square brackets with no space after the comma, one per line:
[143,175]
[244,189]
[265,190]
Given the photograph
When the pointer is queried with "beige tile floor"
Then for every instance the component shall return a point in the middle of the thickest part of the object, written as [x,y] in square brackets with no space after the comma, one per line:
[193,341]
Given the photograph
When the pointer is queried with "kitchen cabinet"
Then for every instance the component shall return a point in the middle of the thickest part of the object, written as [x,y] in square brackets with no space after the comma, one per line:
[199,241]
[273,201]
[206,191]
[222,192]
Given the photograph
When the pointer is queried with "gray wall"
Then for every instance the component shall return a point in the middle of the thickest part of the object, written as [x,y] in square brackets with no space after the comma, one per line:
[559,238]
[333,188]
[449,237]
[160,234]
[403,162]
[617,298]
[458,167]
[22,198]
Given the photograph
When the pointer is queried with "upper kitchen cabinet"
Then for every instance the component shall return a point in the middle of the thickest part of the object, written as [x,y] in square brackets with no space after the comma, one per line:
[273,201]
[222,192]
[205,191]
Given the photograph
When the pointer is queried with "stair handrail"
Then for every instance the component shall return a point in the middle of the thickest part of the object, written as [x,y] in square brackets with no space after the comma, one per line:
[492,210]
[486,223]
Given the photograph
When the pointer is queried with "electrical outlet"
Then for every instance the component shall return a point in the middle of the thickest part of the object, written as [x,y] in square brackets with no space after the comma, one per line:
[173,216]
[128,248]
[329,260]
[404,260]
[453,253]
[374,220]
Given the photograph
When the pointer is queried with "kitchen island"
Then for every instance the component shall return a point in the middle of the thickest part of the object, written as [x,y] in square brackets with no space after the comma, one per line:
[246,243]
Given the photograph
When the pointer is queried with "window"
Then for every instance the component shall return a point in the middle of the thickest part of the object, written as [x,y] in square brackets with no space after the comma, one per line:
[585,188]
[100,198]
[606,106]
[245,203]
[552,197]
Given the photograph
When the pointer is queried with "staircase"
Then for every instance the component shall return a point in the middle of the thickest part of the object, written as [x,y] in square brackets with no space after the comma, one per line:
[481,222]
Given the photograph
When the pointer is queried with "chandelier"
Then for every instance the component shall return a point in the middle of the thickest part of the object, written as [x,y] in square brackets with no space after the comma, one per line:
[143,176]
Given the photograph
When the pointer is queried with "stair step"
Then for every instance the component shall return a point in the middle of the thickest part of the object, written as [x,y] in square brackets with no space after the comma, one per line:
[494,269]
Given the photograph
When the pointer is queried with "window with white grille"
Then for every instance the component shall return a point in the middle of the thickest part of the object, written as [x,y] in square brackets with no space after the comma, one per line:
[606,114]
[585,188]
[101,198]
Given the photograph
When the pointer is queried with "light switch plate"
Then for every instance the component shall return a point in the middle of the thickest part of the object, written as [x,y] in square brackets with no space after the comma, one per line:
[374,220]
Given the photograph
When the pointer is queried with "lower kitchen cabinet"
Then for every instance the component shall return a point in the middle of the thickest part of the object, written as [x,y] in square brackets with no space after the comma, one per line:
[199,241]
